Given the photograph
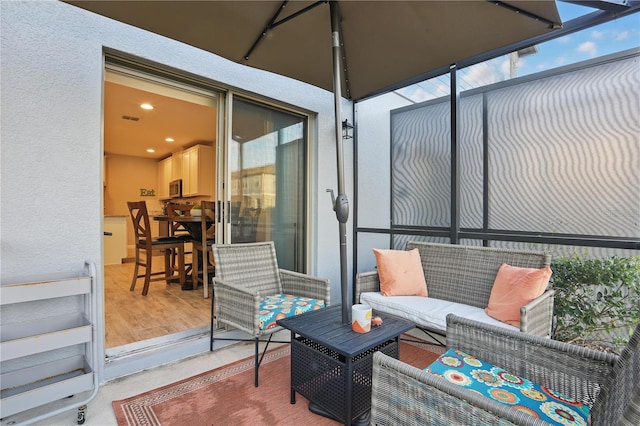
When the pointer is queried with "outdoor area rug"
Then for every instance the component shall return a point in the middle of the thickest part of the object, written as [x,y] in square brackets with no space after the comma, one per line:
[226,395]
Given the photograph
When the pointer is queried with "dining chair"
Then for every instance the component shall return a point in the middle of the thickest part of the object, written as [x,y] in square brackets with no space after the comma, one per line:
[178,230]
[202,249]
[146,244]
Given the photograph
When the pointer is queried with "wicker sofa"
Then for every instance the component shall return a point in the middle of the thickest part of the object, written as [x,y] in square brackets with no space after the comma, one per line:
[609,384]
[459,280]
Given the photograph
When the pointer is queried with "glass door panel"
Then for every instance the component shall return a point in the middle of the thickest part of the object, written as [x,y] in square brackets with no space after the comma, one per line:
[266,155]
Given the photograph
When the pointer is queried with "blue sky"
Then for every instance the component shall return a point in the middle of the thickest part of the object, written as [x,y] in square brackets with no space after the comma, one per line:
[611,37]
[614,36]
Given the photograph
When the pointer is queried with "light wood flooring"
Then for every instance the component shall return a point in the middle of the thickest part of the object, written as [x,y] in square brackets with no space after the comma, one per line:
[166,309]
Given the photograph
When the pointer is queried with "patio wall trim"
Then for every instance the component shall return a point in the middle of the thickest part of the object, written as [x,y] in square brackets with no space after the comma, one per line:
[625,243]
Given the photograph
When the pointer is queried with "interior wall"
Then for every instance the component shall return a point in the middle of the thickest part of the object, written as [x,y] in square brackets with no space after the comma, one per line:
[125,177]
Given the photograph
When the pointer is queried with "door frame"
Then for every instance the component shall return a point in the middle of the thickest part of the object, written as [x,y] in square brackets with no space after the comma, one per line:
[165,350]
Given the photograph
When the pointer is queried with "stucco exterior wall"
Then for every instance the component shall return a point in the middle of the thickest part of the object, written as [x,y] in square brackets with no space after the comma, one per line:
[51,135]
[374,174]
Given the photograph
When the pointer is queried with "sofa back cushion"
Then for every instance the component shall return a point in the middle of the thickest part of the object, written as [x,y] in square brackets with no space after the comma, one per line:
[465,274]
[513,288]
[400,273]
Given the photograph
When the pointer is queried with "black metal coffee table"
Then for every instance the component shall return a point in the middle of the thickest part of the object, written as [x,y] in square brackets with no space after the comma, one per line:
[331,364]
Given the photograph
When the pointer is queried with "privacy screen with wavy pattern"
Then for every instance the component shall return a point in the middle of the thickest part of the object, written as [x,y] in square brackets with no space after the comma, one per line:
[563,154]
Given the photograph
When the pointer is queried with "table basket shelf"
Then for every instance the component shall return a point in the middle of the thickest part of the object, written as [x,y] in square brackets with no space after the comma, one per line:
[323,379]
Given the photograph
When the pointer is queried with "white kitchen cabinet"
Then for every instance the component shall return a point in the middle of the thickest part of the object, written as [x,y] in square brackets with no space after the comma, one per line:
[176,165]
[197,171]
[34,382]
[165,170]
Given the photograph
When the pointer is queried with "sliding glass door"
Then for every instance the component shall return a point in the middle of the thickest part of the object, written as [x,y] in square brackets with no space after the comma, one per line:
[267,191]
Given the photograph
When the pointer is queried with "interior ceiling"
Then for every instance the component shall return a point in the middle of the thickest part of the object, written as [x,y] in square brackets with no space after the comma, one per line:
[186,122]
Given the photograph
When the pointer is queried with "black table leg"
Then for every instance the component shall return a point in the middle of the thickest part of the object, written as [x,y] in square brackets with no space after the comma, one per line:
[293,391]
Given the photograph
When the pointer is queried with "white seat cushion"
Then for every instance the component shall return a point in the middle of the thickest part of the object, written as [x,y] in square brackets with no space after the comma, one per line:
[426,311]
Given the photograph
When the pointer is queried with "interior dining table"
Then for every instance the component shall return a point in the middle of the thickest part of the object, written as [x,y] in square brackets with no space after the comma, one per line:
[193,225]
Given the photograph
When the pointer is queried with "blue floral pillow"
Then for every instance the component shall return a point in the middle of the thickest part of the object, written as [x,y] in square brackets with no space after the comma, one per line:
[519,393]
[273,308]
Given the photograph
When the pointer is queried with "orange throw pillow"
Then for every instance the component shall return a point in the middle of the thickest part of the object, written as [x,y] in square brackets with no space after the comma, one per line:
[513,288]
[400,273]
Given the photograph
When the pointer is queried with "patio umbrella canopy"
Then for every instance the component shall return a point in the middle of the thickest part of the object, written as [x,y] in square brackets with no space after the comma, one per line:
[354,48]
[385,43]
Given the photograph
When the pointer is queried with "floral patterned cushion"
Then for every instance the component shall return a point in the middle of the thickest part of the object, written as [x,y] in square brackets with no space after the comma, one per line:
[273,308]
[521,394]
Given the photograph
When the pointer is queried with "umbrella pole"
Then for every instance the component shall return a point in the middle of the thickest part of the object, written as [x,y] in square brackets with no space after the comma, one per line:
[341,204]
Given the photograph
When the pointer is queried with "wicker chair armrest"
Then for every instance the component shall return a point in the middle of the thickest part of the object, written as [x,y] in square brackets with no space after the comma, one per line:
[573,370]
[233,303]
[536,317]
[401,392]
[366,282]
[304,285]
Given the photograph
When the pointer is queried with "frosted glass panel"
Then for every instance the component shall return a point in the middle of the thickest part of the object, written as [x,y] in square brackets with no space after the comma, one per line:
[421,166]
[564,153]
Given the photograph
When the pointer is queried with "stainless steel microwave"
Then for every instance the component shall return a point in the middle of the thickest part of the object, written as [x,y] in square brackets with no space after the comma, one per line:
[175,188]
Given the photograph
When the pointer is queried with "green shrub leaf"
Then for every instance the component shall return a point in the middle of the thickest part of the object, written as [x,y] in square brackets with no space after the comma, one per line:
[596,300]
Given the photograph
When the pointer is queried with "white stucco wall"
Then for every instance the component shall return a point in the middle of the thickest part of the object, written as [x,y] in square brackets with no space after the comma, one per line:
[51,135]
[374,174]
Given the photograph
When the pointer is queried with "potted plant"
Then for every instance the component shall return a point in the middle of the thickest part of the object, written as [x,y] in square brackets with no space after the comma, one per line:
[196,210]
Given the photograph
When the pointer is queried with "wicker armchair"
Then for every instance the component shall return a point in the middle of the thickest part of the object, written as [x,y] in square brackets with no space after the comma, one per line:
[608,383]
[245,275]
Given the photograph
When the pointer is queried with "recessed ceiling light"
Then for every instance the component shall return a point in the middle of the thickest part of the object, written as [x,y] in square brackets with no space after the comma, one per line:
[168,140]
[146,106]
[151,150]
